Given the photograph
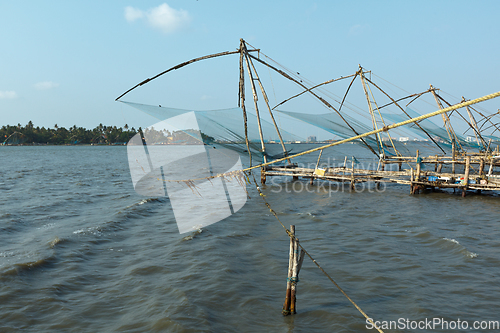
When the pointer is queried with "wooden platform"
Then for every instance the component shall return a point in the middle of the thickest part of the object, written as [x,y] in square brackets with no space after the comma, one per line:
[419,173]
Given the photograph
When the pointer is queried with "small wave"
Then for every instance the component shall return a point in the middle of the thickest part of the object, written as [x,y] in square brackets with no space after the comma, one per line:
[96,231]
[461,249]
[55,241]
[471,255]
[143,201]
[29,266]
[7,254]
[193,235]
[451,240]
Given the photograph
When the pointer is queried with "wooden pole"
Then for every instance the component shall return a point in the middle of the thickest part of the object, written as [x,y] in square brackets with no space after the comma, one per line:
[411,181]
[294,279]
[352,173]
[268,107]
[474,126]
[399,106]
[374,121]
[418,167]
[322,100]
[440,166]
[466,177]
[286,305]
[317,164]
[345,165]
[446,119]
[255,99]
[453,154]
[242,101]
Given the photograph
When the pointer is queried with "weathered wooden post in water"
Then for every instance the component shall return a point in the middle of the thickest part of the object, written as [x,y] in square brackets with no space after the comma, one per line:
[466,176]
[294,265]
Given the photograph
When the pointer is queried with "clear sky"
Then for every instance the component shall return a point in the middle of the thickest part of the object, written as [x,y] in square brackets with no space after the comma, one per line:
[65,62]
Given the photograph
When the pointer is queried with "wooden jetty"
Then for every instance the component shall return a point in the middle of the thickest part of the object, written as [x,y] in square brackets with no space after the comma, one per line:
[422,173]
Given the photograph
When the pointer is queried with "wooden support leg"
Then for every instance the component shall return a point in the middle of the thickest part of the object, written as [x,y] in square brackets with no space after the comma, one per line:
[466,176]
[294,279]
[286,305]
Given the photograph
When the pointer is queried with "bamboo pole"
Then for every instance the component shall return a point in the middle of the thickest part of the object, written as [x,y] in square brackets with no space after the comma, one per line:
[463,118]
[266,99]
[474,126]
[481,167]
[466,177]
[294,279]
[352,173]
[416,188]
[399,106]
[255,99]
[316,167]
[286,305]
[345,165]
[446,119]
[411,182]
[314,87]
[374,102]
[328,105]
[374,121]
[241,102]
[418,167]
[453,154]
[177,67]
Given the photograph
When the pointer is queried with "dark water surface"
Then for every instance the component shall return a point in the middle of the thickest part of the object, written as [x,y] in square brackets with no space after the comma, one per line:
[80,251]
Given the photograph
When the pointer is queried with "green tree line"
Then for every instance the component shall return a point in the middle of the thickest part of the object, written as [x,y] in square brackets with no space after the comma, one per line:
[30,134]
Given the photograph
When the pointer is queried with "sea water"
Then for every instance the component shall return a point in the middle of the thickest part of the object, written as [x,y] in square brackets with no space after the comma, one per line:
[80,251]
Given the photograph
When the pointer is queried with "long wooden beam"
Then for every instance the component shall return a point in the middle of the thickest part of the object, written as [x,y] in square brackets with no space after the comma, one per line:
[180,66]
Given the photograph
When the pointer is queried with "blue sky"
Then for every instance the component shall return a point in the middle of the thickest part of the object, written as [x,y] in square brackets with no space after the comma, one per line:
[64,62]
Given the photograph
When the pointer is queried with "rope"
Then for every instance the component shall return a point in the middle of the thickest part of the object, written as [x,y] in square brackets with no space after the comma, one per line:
[314,261]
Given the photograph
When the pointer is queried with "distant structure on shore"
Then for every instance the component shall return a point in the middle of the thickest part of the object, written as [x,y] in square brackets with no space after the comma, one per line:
[311,138]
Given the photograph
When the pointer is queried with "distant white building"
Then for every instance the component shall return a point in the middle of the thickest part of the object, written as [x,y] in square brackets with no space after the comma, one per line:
[404,139]
[311,138]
